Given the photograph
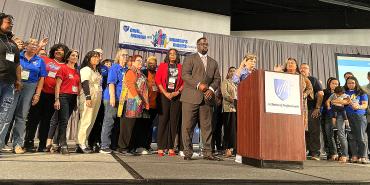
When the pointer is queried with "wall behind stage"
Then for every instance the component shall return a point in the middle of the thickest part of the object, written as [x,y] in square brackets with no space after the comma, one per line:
[357,37]
[166,16]
[58,4]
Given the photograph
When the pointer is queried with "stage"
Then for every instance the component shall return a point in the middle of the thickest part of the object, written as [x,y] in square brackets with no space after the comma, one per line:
[42,168]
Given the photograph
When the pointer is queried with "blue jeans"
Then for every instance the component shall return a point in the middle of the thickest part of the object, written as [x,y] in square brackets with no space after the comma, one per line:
[330,135]
[342,136]
[6,104]
[357,136]
[110,113]
[22,104]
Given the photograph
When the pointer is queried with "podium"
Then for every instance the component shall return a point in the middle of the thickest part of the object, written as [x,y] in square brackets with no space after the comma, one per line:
[264,139]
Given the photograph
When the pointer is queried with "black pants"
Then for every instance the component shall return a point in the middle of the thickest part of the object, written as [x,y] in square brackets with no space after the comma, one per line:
[179,143]
[67,104]
[126,131]
[140,133]
[313,135]
[115,133]
[153,114]
[169,121]
[94,137]
[229,119]
[217,128]
[39,116]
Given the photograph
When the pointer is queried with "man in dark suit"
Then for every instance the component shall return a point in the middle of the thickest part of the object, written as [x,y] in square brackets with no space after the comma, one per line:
[202,78]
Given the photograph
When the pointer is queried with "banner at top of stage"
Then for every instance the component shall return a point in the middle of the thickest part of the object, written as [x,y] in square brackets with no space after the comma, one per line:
[147,37]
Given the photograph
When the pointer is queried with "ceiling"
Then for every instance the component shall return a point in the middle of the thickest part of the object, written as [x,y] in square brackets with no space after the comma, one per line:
[275,14]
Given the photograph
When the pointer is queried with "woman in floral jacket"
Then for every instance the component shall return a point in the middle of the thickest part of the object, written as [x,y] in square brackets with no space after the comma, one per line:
[136,102]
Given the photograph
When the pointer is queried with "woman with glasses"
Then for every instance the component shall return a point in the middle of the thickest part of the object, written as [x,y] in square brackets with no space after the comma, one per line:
[111,96]
[135,101]
[33,74]
[90,98]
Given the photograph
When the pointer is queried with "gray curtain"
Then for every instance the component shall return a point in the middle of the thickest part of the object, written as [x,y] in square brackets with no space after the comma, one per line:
[324,61]
[229,51]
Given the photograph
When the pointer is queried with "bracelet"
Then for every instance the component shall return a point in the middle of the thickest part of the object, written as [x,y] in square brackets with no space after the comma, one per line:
[56,98]
[37,94]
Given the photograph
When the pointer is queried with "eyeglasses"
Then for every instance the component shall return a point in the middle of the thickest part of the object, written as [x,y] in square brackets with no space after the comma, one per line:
[9,22]
[125,55]
[203,44]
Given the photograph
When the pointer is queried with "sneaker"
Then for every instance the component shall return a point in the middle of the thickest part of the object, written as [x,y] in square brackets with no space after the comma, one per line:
[145,152]
[181,153]
[18,150]
[105,151]
[238,158]
[64,150]
[139,150]
[363,161]
[96,148]
[83,149]
[315,158]
[7,148]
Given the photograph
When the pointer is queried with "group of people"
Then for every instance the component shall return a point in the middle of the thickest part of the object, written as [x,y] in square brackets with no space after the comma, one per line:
[118,101]
[338,113]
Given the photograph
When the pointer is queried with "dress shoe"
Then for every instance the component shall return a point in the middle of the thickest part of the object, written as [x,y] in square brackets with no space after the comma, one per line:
[212,158]
[187,158]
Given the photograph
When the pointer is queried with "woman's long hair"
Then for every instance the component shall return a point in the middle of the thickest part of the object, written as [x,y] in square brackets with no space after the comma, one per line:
[87,59]
[167,58]
[357,89]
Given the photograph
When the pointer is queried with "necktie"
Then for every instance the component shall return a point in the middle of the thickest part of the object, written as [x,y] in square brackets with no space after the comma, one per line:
[204,60]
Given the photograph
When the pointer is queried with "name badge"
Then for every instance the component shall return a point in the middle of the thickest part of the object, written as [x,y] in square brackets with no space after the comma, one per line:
[172,80]
[74,89]
[10,57]
[25,75]
[52,74]
[154,88]
[171,86]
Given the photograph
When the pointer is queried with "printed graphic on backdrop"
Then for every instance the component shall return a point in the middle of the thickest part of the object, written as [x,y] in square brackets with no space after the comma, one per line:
[145,37]
[282,93]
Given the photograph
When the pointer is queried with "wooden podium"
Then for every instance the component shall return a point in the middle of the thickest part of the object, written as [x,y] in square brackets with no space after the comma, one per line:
[267,140]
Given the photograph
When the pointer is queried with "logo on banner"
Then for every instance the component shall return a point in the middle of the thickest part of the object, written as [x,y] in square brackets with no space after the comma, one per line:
[160,39]
[282,88]
[126,28]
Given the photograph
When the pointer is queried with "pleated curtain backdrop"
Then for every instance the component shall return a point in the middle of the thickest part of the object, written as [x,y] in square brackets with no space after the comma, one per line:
[86,32]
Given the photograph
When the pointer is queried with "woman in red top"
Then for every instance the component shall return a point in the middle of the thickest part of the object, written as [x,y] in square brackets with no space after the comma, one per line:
[66,90]
[170,84]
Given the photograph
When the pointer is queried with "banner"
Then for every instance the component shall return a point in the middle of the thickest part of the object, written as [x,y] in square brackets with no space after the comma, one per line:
[145,37]
[282,93]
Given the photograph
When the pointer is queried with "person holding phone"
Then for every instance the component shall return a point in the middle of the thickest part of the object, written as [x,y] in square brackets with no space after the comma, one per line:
[247,66]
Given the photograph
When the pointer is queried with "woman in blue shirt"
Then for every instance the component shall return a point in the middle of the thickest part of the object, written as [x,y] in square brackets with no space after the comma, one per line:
[111,97]
[33,73]
[356,111]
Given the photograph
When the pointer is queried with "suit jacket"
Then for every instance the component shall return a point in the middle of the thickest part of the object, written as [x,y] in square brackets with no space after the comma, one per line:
[229,93]
[193,72]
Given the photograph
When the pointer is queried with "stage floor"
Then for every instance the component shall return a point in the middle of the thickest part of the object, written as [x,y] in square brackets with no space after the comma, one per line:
[42,168]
